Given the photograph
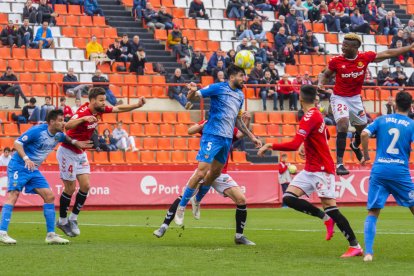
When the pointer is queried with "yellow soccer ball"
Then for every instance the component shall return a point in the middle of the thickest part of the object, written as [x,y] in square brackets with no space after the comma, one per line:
[244,59]
[292,169]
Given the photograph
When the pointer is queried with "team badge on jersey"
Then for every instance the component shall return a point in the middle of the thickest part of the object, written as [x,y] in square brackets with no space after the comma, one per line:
[360,65]
[361,113]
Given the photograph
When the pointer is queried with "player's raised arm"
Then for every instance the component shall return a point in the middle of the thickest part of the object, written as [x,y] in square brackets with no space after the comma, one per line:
[193,93]
[245,130]
[75,121]
[129,107]
[29,164]
[79,144]
[246,117]
[390,53]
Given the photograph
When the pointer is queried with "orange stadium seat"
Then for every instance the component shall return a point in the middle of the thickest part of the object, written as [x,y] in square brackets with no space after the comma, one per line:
[259,130]
[184,117]
[318,27]
[125,117]
[181,130]
[164,144]
[178,13]
[109,118]
[99,21]
[3,64]
[16,65]
[149,144]
[24,127]
[56,77]
[79,42]
[4,18]
[147,157]
[34,54]
[191,156]
[39,90]
[5,53]
[60,20]
[158,92]
[169,117]
[149,69]
[136,130]
[154,117]
[131,157]
[273,130]
[166,130]
[151,130]
[60,9]
[116,157]
[160,34]
[100,157]
[190,24]
[45,66]
[18,53]
[290,118]
[74,10]
[332,130]
[275,117]
[288,130]
[130,79]
[292,70]
[155,3]
[201,35]
[41,77]
[193,143]
[305,59]
[239,157]
[51,159]
[72,20]
[139,117]
[30,66]
[178,157]
[261,118]
[144,91]
[11,130]
[163,157]
[26,77]
[98,32]
[7,142]
[111,33]
[85,21]
[83,32]
[180,144]
[318,60]
[190,34]
[168,3]
[331,38]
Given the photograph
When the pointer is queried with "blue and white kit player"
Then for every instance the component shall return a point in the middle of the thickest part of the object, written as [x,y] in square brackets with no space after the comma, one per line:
[32,148]
[225,113]
[390,172]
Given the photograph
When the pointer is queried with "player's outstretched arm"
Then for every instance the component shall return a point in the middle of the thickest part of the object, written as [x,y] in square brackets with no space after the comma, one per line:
[263,149]
[28,164]
[245,130]
[364,142]
[192,92]
[129,107]
[79,144]
[74,122]
[246,117]
[390,53]
[196,128]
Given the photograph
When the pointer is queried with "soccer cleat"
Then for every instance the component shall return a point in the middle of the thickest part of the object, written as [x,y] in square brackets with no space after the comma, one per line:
[357,151]
[330,225]
[196,207]
[65,229]
[74,227]
[368,258]
[179,216]
[53,238]
[243,240]
[353,252]
[4,238]
[341,170]
[159,233]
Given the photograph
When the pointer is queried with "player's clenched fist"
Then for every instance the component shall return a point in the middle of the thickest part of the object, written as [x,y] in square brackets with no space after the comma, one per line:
[141,102]
[192,86]
[90,119]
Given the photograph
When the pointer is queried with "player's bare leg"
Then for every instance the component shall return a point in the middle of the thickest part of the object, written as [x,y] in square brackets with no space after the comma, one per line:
[84,185]
[356,142]
[6,213]
[370,229]
[241,214]
[65,198]
[342,128]
[329,205]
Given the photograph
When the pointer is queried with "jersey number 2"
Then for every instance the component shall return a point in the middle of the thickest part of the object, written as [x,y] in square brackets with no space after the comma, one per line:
[70,169]
[396,134]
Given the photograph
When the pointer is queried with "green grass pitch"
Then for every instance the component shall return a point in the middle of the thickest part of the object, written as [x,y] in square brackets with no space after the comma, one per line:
[288,243]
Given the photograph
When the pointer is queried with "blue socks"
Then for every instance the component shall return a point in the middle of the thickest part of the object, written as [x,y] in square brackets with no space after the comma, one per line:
[6,216]
[202,192]
[369,233]
[49,213]
[188,193]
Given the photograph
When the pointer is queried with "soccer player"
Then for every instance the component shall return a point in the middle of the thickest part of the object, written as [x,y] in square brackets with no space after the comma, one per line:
[225,113]
[319,172]
[395,133]
[224,185]
[73,162]
[32,148]
[346,102]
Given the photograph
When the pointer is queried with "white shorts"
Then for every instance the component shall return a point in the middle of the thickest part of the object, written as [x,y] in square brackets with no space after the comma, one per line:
[72,164]
[349,107]
[321,182]
[223,182]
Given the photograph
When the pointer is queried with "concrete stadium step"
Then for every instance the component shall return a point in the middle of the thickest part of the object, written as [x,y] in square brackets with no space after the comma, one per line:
[262,160]
[115,13]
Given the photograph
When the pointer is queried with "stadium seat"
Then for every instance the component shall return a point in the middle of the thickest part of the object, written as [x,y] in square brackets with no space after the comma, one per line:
[288,130]
[136,130]
[151,130]
[24,127]
[30,66]
[111,33]
[3,116]
[273,130]
[149,144]
[7,142]
[305,59]
[131,157]
[83,32]
[239,157]
[85,21]
[19,53]
[180,144]
[51,159]
[275,117]
[34,54]
[100,157]
[190,24]
[191,157]
[16,65]
[184,117]
[4,18]
[332,131]
[26,77]
[193,143]
[147,157]
[181,130]
[130,79]
[154,117]
[74,10]
[160,34]
[116,157]
[164,144]
[331,38]
[99,21]
[45,66]
[261,118]
[5,53]
[109,118]
[38,90]
[166,130]
[163,157]
[290,118]
[139,117]
[11,129]
[178,157]
[72,20]
[125,117]
[169,117]
[144,91]
[259,130]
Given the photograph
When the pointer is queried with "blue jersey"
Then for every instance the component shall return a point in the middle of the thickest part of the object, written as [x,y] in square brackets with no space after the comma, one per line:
[394,133]
[37,144]
[226,104]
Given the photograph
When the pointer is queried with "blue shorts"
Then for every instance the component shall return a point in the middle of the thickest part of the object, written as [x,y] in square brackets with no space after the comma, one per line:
[380,188]
[214,147]
[23,178]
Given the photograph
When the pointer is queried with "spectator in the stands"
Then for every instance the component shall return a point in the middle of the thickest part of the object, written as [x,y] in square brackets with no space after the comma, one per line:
[244,45]
[263,5]
[278,24]
[243,31]
[10,35]
[74,90]
[197,10]
[301,11]
[269,52]
[284,8]
[268,91]
[185,52]
[311,43]
[234,9]
[31,112]
[384,77]
[5,157]
[298,27]
[107,142]
[323,9]
[138,6]
[387,25]
[92,8]
[256,74]
[339,14]
[382,12]
[151,18]
[290,18]
[281,38]
[390,105]
[399,75]
[410,27]
[125,46]
[46,108]
[95,52]
[401,60]
[258,52]
[313,11]
[307,79]
[396,19]
[219,55]
[29,12]
[220,67]
[12,88]
[46,13]
[231,56]
[78,104]
[221,77]
[198,64]
[369,79]
[44,37]
[135,44]
[286,91]
[358,24]
[67,111]
[114,52]
[110,97]
[299,46]
[399,36]
[165,18]
[333,22]
[250,10]
[124,141]
[138,62]
[26,33]
[286,54]
[371,12]
[179,93]
[257,28]
[411,80]
[174,39]
[274,74]
[350,6]
[297,83]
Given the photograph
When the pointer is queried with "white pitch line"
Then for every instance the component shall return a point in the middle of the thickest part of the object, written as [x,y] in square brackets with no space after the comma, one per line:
[217,228]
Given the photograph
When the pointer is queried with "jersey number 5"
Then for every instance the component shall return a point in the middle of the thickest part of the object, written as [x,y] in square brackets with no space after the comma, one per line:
[396,134]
